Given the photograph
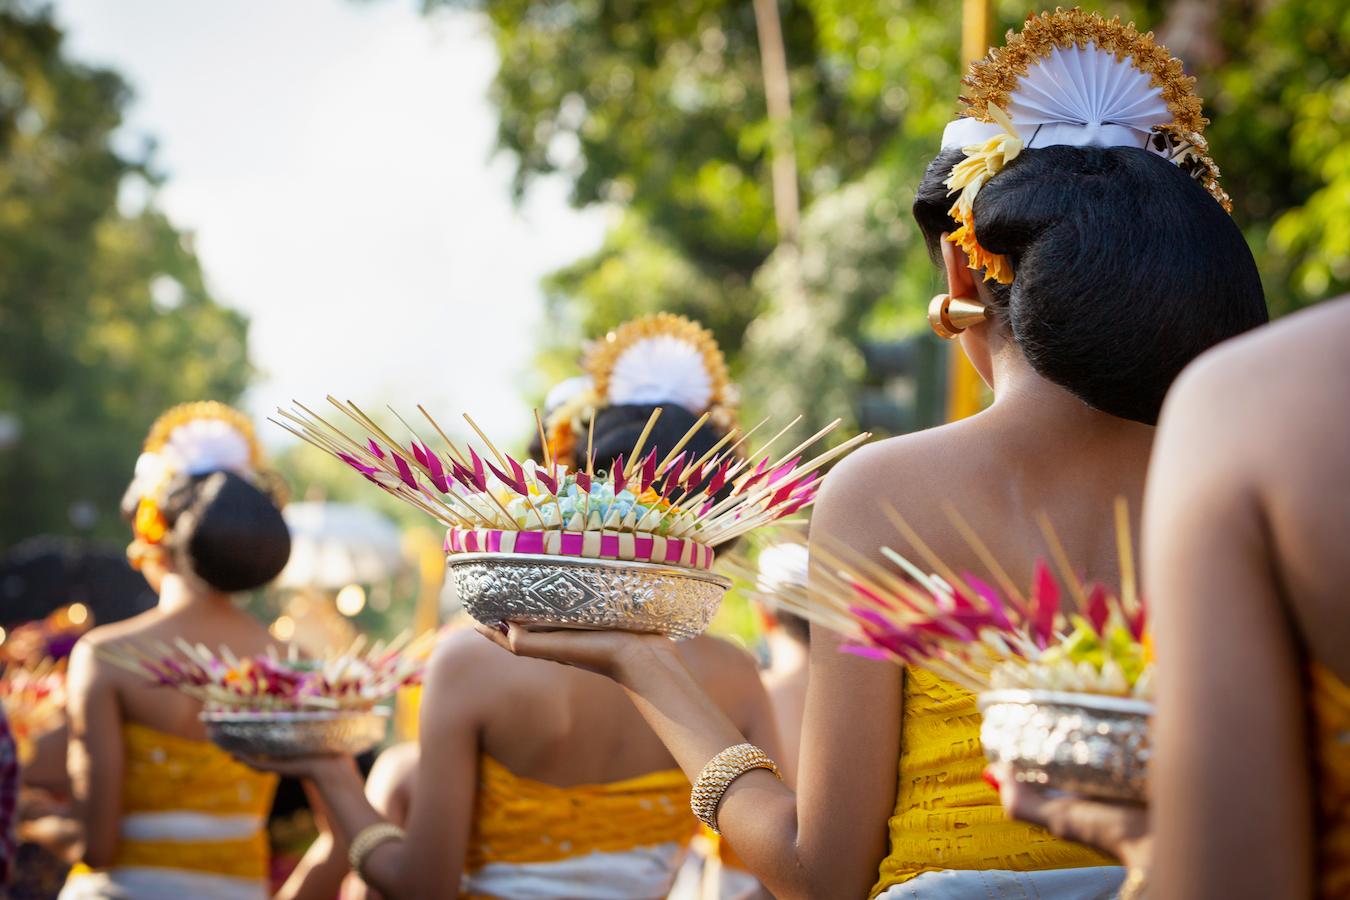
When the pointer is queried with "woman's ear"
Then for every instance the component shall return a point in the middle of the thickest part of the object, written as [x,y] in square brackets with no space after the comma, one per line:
[960,276]
[961,282]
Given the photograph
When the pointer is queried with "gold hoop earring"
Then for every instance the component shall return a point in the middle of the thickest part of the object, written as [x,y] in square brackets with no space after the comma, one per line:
[950,315]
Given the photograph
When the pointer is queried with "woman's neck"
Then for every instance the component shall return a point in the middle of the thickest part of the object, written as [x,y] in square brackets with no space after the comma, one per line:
[1049,411]
[178,593]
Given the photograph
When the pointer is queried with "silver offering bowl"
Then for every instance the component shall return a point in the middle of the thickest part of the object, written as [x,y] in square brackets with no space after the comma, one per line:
[1088,744]
[562,592]
[299,733]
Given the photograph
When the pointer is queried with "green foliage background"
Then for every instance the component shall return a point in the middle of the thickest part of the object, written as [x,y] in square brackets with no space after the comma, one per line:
[104,316]
[657,109]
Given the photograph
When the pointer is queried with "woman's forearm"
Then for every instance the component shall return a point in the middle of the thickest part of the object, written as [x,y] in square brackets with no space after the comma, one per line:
[350,813]
[758,814]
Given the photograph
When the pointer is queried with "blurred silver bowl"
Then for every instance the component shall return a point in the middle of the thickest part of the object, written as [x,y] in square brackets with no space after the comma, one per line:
[1086,744]
[292,734]
[559,592]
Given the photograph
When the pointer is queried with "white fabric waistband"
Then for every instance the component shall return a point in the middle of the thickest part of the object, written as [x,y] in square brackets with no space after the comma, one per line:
[148,883]
[189,827]
[644,873]
[1087,883]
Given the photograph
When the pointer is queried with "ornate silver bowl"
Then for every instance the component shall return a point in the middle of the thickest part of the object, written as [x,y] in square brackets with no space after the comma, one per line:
[1086,744]
[292,734]
[560,592]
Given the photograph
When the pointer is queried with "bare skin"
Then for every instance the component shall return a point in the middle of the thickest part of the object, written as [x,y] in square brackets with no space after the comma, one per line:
[1036,448]
[389,788]
[560,727]
[104,697]
[1248,508]
[785,680]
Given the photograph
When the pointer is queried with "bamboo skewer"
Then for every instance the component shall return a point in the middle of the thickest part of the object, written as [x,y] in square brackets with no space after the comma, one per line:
[501,460]
[1129,591]
[981,550]
[1061,559]
[454,451]
[635,459]
[978,639]
[686,509]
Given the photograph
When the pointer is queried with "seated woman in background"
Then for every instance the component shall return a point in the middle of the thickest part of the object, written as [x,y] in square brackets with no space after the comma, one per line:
[536,782]
[166,814]
[1247,570]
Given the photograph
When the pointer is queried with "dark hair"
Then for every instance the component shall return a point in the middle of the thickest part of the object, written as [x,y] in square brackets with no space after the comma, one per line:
[227,531]
[794,626]
[1125,269]
[617,429]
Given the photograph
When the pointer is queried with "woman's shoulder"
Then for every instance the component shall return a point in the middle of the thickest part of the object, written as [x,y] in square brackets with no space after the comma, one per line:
[472,671]
[1239,395]
[914,473]
[718,660]
[460,650]
[137,627]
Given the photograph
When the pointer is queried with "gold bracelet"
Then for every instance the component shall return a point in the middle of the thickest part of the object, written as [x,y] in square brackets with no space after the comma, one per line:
[1135,886]
[719,773]
[369,838]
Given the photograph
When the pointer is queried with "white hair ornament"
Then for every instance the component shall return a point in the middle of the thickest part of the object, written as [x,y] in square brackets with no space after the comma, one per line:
[1071,78]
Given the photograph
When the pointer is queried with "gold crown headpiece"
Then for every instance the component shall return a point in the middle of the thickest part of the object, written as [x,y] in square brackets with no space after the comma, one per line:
[202,410]
[1071,78]
[660,359]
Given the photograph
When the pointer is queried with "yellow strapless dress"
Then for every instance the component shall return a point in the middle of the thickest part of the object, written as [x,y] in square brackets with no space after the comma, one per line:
[1331,728]
[946,817]
[619,840]
[193,824]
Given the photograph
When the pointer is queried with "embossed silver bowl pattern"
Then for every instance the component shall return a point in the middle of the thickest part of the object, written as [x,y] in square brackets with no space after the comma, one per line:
[292,734]
[1087,744]
[559,592]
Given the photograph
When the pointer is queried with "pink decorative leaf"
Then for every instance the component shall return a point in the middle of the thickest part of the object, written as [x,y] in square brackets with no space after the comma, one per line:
[997,609]
[1045,599]
[1098,608]
[405,472]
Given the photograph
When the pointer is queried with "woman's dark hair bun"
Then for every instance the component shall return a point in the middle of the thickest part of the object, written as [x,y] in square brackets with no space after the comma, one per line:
[228,532]
[1125,269]
[617,429]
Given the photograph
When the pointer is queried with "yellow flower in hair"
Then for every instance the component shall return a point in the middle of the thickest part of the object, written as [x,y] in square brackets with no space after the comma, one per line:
[149,525]
[982,162]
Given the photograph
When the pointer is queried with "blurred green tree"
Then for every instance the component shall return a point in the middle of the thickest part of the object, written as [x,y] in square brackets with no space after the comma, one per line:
[104,316]
[659,110]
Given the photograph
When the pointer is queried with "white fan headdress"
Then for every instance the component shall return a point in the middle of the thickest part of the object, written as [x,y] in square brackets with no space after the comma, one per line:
[782,566]
[565,391]
[656,360]
[662,358]
[1072,78]
[661,369]
[192,439]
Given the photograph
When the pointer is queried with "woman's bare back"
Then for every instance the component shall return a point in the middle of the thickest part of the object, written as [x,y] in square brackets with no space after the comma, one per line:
[213,622]
[566,726]
[1266,414]
[999,470]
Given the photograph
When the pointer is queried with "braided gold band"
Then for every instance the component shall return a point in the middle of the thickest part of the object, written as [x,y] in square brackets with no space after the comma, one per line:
[367,840]
[719,773]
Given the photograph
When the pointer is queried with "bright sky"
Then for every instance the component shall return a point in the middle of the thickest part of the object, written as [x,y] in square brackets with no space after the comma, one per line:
[334,159]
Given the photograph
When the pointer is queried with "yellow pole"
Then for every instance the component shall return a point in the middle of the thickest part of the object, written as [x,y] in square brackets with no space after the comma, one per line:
[965,390]
[423,546]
